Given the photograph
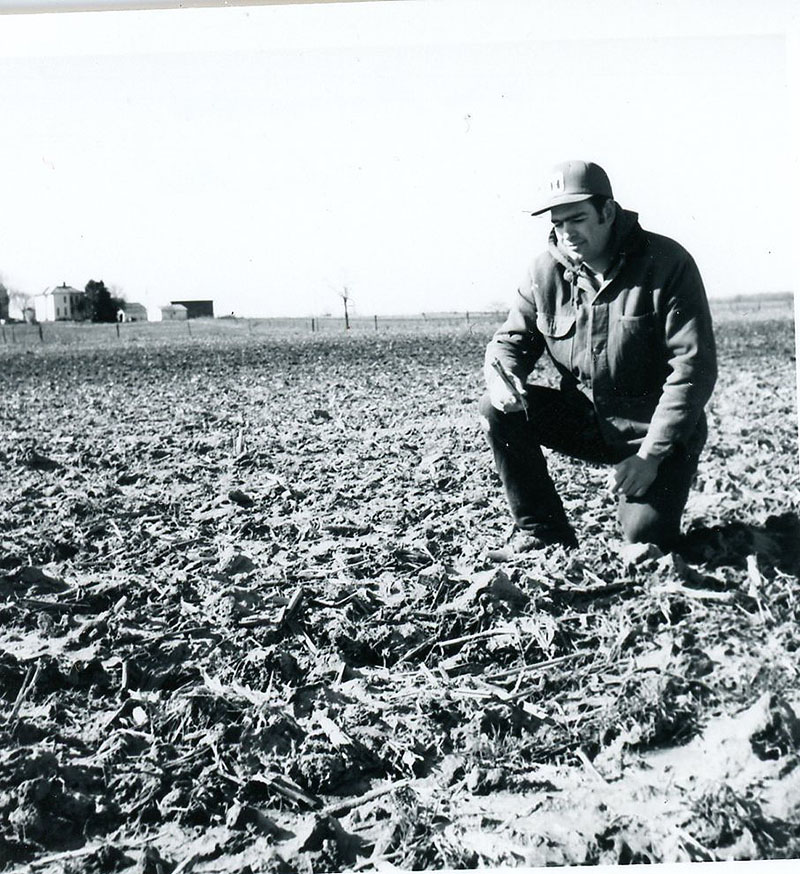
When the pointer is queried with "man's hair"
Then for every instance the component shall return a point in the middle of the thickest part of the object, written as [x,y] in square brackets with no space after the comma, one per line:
[599,201]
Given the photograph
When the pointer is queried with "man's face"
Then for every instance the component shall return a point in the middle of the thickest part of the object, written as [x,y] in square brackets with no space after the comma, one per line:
[582,234]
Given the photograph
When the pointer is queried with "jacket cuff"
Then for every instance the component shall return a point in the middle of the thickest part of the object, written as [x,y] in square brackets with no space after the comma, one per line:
[654,447]
[646,454]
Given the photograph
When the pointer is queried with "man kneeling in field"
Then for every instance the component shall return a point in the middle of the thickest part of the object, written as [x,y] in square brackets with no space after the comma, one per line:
[623,315]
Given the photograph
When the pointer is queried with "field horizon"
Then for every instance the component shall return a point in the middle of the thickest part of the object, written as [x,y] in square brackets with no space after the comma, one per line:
[756,306]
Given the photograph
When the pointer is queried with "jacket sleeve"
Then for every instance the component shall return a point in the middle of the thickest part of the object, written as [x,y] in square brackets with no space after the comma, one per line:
[691,358]
[517,343]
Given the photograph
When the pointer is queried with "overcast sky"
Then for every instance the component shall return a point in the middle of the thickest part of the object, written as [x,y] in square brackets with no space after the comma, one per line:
[266,157]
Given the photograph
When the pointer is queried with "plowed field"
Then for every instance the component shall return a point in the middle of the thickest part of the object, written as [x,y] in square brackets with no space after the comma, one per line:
[247,621]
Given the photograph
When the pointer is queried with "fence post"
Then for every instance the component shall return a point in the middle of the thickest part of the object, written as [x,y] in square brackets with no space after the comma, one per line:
[376,322]
[313,325]
[189,327]
[13,336]
[4,334]
[116,325]
[467,316]
[41,332]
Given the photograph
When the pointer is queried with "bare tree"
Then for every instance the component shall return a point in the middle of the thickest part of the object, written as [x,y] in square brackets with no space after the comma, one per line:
[19,301]
[344,294]
[342,290]
[12,300]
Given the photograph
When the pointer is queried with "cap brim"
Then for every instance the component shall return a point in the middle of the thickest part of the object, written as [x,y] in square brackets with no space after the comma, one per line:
[562,201]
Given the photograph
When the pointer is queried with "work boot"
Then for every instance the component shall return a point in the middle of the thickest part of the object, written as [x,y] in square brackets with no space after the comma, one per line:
[527,540]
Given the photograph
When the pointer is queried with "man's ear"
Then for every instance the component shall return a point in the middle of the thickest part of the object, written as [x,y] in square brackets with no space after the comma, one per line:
[609,211]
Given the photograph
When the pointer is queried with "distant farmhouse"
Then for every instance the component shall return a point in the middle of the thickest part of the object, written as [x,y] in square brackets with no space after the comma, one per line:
[196,309]
[132,312]
[169,313]
[60,304]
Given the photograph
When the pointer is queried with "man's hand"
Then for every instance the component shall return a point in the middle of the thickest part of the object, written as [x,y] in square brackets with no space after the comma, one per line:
[634,476]
[501,395]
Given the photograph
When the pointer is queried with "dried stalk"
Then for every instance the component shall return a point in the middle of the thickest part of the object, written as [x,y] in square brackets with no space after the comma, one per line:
[27,684]
[350,803]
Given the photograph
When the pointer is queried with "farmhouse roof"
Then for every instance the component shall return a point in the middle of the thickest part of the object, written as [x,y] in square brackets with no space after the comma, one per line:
[62,288]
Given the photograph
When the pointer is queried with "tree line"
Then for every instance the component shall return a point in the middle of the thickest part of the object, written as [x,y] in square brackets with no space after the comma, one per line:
[99,303]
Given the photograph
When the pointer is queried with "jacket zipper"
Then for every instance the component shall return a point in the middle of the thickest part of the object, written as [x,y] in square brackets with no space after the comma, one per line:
[573,283]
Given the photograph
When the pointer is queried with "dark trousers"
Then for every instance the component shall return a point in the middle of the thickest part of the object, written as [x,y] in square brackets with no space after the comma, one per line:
[566,422]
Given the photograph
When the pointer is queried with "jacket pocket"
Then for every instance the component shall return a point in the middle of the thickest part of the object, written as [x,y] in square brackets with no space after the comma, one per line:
[637,357]
[555,325]
[559,337]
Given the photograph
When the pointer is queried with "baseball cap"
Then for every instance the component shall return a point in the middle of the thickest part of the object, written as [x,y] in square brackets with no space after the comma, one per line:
[572,182]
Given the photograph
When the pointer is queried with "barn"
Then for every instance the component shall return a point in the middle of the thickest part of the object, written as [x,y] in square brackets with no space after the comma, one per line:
[196,309]
[132,312]
[167,313]
[170,313]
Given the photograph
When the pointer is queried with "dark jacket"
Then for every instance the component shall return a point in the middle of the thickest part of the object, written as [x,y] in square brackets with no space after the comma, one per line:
[641,348]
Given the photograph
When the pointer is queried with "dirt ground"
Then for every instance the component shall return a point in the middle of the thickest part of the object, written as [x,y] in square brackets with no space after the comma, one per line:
[247,621]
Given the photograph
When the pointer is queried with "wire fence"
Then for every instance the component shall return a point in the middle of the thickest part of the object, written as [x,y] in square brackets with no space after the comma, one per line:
[85,333]
[21,334]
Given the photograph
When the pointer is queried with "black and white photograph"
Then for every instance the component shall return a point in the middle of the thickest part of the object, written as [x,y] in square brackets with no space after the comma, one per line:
[399,436]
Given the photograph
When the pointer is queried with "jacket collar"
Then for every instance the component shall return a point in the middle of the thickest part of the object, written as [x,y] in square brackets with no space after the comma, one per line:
[626,237]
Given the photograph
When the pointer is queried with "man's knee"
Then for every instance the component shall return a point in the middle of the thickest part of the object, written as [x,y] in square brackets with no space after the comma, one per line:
[646,525]
[485,407]
[657,519]
[491,417]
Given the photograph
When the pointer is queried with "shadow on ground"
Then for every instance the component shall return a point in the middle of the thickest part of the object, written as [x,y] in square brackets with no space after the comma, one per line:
[776,542]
